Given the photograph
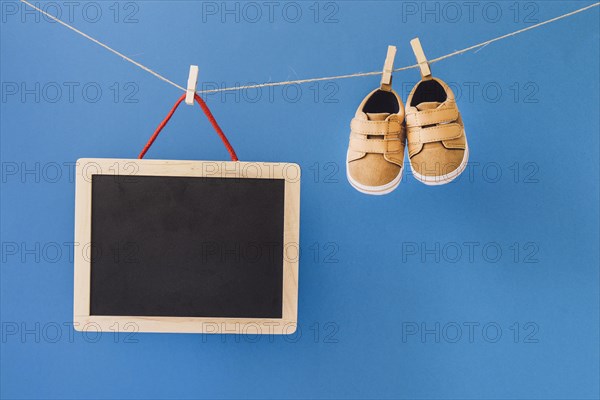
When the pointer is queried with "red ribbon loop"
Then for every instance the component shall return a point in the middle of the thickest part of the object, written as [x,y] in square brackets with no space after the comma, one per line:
[208,114]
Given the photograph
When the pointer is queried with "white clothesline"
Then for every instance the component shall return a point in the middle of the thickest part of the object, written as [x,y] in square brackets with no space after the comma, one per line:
[301,81]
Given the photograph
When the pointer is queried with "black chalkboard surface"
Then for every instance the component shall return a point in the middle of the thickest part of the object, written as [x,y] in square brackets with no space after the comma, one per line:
[186,246]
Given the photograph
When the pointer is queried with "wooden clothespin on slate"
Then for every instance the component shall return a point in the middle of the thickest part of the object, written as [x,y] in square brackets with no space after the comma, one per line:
[388,69]
[191,85]
[421,59]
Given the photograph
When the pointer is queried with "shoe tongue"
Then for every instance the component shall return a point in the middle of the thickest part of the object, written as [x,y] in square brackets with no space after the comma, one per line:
[428,105]
[377,116]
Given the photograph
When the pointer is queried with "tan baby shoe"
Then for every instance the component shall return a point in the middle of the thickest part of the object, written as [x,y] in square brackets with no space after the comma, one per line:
[437,144]
[376,151]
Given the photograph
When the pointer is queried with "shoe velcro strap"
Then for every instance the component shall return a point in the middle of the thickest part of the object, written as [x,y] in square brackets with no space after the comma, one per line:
[448,113]
[436,133]
[379,146]
[366,127]
[394,145]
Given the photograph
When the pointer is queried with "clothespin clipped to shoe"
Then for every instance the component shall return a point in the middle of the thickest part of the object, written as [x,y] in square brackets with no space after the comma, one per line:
[421,59]
[388,69]
[191,85]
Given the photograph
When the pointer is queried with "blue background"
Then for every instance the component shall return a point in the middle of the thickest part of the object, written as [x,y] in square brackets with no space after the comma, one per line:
[374,270]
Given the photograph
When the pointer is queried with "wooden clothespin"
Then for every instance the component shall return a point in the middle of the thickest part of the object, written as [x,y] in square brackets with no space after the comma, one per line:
[191,85]
[421,59]
[388,69]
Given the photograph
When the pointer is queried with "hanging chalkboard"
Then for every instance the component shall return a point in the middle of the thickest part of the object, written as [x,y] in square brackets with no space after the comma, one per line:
[182,246]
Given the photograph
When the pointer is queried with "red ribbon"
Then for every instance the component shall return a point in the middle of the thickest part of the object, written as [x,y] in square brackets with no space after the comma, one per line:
[208,114]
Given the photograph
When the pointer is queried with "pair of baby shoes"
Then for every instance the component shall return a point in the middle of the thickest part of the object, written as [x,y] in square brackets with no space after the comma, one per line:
[430,125]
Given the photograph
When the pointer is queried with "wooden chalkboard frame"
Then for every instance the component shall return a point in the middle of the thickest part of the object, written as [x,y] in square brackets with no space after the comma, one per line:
[87,167]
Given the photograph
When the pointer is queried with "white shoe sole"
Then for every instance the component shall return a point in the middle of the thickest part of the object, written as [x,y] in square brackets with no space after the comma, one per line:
[374,190]
[443,179]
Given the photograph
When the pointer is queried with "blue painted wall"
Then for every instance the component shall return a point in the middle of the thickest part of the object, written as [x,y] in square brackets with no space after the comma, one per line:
[484,288]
